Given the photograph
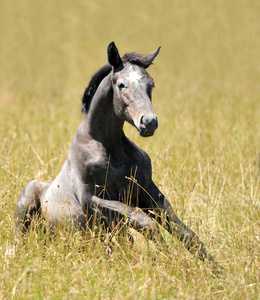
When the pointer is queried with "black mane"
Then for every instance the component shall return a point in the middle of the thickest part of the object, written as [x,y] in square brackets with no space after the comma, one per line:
[131,57]
[93,85]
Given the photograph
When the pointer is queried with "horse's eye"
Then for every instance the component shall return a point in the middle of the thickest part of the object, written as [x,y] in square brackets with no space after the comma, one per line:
[120,85]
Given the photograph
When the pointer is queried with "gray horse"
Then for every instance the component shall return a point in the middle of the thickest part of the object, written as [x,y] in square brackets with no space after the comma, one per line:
[106,177]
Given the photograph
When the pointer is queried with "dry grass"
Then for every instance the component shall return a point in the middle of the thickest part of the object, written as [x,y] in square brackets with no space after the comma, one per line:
[205,153]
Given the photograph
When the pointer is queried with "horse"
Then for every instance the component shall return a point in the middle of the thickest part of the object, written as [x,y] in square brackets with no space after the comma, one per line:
[104,166]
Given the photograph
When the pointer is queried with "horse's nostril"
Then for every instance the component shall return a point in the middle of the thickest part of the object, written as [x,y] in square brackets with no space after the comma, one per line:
[149,121]
[144,120]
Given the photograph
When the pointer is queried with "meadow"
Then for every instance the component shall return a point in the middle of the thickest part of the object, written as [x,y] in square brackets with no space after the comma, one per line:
[205,153]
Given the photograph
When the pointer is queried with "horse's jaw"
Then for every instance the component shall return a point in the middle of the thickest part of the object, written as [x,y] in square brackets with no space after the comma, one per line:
[146,133]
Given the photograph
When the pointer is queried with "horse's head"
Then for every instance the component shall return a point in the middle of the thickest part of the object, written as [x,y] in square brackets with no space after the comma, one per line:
[132,87]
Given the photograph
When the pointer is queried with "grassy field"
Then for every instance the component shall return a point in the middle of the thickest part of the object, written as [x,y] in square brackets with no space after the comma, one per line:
[205,152]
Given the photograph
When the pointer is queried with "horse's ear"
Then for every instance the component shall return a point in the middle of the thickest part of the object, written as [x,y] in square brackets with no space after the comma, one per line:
[113,56]
[147,59]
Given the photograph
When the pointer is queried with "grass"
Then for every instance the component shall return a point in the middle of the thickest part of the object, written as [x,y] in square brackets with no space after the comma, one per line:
[205,153]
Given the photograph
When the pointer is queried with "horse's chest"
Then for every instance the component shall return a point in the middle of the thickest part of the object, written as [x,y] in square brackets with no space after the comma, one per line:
[127,181]
[122,173]
[120,179]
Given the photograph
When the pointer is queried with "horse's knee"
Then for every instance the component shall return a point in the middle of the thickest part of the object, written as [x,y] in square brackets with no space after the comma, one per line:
[144,224]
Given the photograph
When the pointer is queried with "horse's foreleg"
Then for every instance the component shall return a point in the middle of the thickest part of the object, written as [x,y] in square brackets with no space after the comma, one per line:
[169,220]
[116,212]
[175,226]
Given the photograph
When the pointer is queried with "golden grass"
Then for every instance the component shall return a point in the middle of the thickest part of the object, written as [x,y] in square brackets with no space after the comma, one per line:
[205,153]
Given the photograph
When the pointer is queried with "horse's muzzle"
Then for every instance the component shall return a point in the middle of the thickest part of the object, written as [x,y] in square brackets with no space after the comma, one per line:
[148,125]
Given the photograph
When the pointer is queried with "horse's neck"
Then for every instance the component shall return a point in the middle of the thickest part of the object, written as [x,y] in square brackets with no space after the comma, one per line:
[101,121]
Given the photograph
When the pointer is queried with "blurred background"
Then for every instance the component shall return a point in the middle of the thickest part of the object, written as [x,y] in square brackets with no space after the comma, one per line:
[50,47]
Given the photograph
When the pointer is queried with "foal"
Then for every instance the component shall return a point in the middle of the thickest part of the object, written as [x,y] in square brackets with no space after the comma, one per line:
[103,165]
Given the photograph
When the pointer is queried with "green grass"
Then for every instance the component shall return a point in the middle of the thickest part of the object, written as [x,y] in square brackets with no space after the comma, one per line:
[205,152]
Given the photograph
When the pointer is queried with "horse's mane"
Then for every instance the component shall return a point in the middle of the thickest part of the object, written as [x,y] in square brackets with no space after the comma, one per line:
[131,57]
[93,85]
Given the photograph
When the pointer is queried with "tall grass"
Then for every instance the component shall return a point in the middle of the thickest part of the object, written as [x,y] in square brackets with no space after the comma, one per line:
[205,153]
